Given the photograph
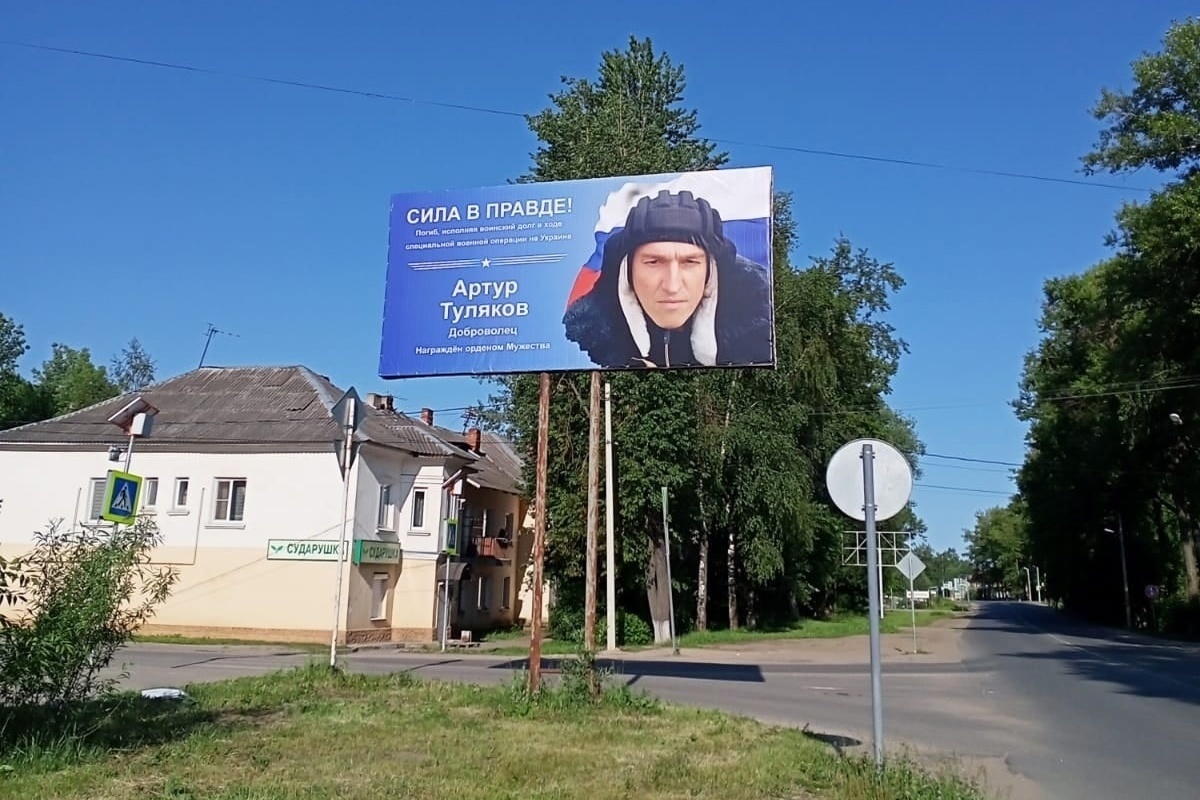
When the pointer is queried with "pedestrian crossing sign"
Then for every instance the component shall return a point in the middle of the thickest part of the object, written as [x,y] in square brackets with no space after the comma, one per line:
[121,495]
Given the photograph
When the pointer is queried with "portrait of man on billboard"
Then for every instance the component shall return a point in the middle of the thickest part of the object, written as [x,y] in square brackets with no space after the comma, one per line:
[673,291]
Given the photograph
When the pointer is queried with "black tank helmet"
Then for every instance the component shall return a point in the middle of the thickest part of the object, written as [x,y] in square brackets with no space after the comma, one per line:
[668,217]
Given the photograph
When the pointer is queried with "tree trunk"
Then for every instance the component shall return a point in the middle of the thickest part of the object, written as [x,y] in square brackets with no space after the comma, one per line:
[1187,544]
[702,577]
[731,578]
[658,590]
[705,530]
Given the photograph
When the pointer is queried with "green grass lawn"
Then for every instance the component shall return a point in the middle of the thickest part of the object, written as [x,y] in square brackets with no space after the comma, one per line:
[844,625]
[308,733]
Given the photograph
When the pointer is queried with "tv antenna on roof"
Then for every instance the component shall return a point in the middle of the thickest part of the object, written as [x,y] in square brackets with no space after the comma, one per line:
[208,340]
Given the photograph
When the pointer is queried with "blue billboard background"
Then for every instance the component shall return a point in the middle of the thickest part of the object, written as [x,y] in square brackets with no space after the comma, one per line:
[479,280]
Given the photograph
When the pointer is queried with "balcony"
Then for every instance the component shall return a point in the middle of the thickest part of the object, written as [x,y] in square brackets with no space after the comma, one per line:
[491,547]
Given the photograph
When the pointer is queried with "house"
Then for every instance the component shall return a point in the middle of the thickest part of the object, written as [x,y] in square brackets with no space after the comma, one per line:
[242,475]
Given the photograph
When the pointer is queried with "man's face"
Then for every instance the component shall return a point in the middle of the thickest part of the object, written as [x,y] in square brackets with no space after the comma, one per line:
[668,279]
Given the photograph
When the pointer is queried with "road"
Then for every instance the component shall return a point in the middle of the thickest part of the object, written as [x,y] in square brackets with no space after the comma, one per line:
[1041,706]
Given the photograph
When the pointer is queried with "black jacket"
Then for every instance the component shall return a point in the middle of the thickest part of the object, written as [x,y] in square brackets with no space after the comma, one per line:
[744,317]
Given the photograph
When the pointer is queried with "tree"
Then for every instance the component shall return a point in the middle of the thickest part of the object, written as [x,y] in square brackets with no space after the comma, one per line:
[1157,123]
[742,452]
[997,548]
[21,402]
[12,345]
[1116,363]
[133,369]
[73,381]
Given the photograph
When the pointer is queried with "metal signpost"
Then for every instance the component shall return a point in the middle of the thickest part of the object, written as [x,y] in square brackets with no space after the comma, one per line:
[350,413]
[870,480]
[910,567]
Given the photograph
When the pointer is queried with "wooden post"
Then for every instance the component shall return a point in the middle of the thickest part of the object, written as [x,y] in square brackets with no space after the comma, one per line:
[593,516]
[539,533]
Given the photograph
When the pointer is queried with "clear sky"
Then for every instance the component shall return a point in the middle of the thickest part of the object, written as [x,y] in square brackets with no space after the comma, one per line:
[142,201]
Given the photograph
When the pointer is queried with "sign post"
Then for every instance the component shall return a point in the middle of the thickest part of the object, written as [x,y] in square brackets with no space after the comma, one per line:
[870,480]
[910,566]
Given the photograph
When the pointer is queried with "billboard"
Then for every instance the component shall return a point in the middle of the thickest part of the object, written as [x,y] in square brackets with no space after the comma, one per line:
[653,271]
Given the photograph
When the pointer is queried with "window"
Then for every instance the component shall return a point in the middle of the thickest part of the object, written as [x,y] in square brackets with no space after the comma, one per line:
[230,505]
[484,588]
[181,493]
[379,591]
[504,599]
[150,493]
[96,500]
[418,508]
[508,527]
[385,507]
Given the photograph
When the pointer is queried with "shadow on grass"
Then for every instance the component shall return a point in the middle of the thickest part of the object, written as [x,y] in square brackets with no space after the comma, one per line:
[41,738]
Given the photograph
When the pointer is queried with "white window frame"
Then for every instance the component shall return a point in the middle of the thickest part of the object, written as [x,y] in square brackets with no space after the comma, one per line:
[385,518]
[95,507]
[183,483]
[217,501]
[414,523]
[150,494]
[381,585]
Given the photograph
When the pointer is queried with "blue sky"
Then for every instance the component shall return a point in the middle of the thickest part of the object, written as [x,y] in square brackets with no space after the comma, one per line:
[148,202]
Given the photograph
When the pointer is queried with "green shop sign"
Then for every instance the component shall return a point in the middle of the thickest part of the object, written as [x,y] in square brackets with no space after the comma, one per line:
[302,549]
[373,552]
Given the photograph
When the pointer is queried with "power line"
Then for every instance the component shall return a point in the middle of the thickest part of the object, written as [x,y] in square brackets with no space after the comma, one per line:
[509,113]
[962,489]
[972,460]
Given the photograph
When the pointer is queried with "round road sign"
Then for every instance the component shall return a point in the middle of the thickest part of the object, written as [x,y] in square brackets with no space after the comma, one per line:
[893,479]
[1151,591]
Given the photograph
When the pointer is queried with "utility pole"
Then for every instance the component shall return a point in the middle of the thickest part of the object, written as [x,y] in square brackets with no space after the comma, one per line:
[610,544]
[1124,573]
[539,533]
[593,515]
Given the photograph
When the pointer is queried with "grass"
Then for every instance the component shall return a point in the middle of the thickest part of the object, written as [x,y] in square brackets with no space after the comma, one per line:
[837,627]
[308,733]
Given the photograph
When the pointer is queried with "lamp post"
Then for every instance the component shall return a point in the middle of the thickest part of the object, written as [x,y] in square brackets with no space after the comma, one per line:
[1028,585]
[1120,532]
[1038,571]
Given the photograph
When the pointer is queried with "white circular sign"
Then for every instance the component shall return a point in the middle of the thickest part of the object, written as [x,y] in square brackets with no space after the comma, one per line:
[893,479]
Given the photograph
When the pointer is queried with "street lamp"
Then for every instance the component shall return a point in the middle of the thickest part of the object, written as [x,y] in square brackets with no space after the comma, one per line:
[1038,571]
[1120,532]
[135,419]
[1028,585]
[1175,418]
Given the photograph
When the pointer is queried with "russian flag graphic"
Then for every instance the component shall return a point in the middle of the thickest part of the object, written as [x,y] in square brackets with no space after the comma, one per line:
[737,195]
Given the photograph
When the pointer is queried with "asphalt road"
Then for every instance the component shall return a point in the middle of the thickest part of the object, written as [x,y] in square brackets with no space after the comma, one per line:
[1041,705]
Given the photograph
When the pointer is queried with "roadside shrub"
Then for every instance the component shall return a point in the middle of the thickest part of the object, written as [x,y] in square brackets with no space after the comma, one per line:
[566,625]
[85,593]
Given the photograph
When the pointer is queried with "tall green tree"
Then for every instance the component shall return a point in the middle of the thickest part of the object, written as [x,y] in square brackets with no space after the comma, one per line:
[1110,393]
[133,368]
[72,380]
[742,452]
[21,402]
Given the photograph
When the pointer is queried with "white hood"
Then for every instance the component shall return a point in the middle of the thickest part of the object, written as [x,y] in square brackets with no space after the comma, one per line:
[704,319]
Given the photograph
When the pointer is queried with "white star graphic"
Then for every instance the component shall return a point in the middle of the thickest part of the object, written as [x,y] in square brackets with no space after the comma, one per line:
[487,262]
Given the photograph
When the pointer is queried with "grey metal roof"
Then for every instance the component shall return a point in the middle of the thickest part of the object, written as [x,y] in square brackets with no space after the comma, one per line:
[499,467]
[286,408]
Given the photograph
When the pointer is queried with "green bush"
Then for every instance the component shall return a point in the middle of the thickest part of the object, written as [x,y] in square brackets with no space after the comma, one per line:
[1180,616]
[85,593]
[566,625]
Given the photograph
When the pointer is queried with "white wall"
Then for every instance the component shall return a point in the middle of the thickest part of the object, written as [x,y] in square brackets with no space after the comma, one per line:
[288,495]
[406,475]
